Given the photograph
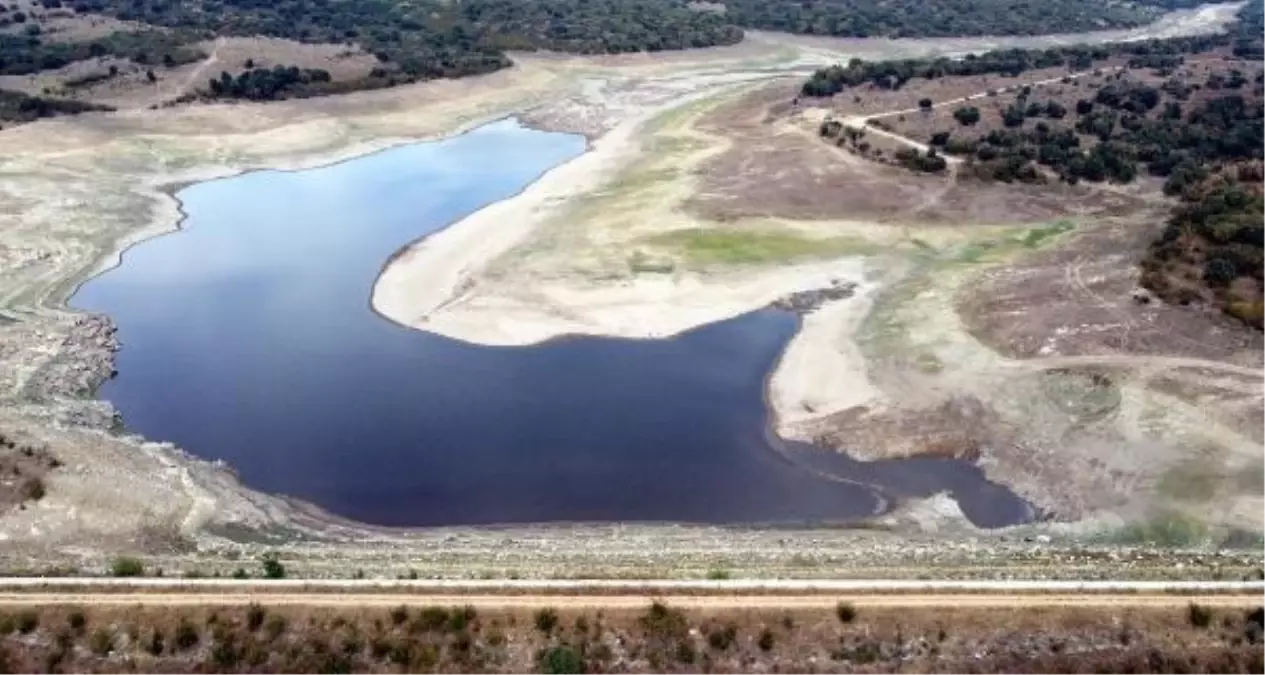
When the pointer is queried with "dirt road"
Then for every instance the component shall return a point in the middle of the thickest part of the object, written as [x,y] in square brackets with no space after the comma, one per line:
[626,601]
[623,594]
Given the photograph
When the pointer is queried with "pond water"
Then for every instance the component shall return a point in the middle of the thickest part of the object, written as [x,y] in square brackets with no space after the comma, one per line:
[248,337]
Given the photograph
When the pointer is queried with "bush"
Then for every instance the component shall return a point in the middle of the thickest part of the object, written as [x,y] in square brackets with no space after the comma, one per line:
[255,616]
[156,643]
[125,566]
[459,619]
[432,618]
[561,659]
[546,620]
[33,489]
[399,615]
[275,625]
[718,575]
[846,612]
[27,621]
[1198,615]
[100,643]
[765,642]
[685,652]
[186,635]
[662,621]
[273,569]
[720,638]
[77,621]
[925,103]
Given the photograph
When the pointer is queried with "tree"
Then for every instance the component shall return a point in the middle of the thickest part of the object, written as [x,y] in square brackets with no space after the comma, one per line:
[925,104]
[273,569]
[149,75]
[1084,107]
[967,115]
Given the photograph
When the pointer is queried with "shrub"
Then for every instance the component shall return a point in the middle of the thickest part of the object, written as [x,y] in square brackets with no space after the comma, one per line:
[255,616]
[1198,615]
[126,566]
[432,618]
[685,652]
[546,620]
[925,103]
[662,621]
[273,569]
[156,643]
[399,615]
[721,637]
[560,659]
[718,575]
[274,626]
[846,612]
[27,621]
[186,635]
[100,643]
[458,619]
[77,621]
[765,642]
[33,489]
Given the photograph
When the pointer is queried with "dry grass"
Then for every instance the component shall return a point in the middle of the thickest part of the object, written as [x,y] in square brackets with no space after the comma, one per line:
[657,638]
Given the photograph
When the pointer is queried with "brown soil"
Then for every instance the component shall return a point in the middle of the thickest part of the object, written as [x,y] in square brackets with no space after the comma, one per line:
[23,466]
[1086,292]
[778,166]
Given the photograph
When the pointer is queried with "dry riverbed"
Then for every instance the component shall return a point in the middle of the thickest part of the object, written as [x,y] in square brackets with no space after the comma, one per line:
[625,240]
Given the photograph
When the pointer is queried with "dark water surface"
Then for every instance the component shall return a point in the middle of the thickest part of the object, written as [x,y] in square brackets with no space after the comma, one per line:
[248,337]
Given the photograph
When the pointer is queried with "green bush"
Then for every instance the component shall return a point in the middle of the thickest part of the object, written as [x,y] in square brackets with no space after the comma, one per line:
[126,566]
[273,569]
[561,659]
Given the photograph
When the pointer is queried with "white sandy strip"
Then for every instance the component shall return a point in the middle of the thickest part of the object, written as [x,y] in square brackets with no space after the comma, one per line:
[433,273]
[433,286]
[822,371]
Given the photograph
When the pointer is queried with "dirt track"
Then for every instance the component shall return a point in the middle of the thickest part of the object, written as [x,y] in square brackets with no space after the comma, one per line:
[627,601]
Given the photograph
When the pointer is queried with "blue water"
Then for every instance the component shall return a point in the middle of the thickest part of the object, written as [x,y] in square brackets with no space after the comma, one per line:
[248,337]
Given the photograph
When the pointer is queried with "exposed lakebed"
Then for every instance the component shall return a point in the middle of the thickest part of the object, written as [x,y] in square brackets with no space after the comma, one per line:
[248,337]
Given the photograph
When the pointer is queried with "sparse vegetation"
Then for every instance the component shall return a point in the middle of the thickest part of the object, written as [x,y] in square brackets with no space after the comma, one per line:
[661,638]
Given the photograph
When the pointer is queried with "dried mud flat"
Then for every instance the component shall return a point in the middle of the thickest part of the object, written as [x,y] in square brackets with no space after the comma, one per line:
[621,241]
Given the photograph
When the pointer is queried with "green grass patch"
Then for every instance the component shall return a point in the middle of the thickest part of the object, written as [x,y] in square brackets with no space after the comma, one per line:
[736,247]
[1039,235]
[1172,530]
